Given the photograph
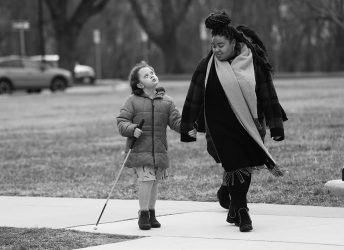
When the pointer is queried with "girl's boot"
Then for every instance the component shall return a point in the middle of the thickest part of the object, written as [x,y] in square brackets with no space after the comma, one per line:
[245,222]
[144,220]
[152,219]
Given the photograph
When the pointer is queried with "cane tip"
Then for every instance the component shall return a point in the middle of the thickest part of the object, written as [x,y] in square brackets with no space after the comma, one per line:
[95,228]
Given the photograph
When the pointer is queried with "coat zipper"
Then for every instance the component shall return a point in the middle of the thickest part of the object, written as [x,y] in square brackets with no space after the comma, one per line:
[153,148]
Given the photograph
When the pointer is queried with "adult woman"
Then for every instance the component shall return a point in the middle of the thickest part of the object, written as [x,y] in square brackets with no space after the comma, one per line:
[231,97]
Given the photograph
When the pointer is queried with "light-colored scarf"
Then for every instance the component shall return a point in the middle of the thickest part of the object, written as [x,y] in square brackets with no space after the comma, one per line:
[238,82]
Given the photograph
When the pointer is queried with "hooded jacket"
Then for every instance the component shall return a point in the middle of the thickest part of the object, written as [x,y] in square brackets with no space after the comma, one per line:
[150,149]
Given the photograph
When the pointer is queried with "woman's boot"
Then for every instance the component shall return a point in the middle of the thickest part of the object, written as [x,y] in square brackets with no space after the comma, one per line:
[144,220]
[232,216]
[152,219]
[223,196]
[245,222]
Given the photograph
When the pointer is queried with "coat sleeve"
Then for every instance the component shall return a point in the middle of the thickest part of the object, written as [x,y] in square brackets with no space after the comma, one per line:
[124,119]
[193,105]
[268,103]
[174,118]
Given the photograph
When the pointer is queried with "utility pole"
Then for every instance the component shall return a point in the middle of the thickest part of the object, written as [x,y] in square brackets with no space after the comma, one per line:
[41,29]
[98,54]
[204,39]
[144,46]
[21,26]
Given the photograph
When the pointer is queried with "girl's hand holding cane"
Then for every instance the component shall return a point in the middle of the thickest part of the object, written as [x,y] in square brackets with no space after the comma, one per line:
[137,132]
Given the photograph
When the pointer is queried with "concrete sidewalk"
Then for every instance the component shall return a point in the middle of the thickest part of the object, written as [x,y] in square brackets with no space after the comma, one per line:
[185,224]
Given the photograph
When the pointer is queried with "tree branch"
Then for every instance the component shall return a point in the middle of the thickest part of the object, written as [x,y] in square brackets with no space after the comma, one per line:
[99,6]
[325,11]
[85,9]
[175,16]
[182,12]
[143,22]
[57,8]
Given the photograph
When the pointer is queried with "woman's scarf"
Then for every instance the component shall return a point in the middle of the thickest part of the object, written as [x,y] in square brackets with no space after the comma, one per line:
[238,82]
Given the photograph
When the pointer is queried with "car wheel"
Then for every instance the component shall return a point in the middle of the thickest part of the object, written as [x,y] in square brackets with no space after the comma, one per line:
[5,87]
[58,84]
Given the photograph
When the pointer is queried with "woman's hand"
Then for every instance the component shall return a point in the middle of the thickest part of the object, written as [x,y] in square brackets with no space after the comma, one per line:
[193,133]
[137,132]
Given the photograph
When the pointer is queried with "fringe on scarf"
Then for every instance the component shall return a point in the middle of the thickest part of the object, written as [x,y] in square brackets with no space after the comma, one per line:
[232,177]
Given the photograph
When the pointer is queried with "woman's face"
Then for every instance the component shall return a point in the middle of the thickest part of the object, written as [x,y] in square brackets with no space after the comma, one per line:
[222,47]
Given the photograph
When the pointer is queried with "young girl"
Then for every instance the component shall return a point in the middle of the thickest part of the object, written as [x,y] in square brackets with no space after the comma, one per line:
[149,155]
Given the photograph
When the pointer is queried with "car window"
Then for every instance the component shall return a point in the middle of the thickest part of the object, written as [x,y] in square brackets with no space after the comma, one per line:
[32,64]
[11,64]
[52,64]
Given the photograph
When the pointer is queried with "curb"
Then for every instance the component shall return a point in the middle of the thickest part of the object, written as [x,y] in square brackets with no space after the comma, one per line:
[335,187]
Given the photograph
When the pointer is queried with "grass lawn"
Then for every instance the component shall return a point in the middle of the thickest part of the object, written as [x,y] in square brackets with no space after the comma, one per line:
[59,239]
[67,145]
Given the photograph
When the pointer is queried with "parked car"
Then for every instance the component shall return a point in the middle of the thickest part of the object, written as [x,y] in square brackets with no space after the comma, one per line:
[18,72]
[82,73]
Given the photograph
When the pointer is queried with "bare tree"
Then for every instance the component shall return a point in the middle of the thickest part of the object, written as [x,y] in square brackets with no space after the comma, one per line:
[332,12]
[160,21]
[68,26]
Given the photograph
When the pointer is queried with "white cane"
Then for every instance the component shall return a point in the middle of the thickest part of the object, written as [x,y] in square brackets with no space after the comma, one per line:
[119,173]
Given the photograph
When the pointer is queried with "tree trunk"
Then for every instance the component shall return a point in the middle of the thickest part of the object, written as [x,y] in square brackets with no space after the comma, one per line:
[339,50]
[165,37]
[68,26]
[171,59]
[308,52]
[66,42]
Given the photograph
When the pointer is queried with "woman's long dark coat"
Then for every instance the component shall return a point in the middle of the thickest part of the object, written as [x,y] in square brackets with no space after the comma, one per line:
[270,113]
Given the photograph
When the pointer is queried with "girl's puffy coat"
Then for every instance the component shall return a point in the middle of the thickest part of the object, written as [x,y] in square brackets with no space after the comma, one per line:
[150,149]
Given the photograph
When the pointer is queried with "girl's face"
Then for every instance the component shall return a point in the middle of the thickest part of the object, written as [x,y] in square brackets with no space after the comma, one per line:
[222,48]
[147,78]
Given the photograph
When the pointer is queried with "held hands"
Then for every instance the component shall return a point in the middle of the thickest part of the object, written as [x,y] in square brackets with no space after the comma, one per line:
[137,132]
[193,133]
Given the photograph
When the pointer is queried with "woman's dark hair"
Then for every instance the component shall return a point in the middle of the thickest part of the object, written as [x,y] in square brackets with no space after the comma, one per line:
[252,35]
[134,77]
[220,25]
